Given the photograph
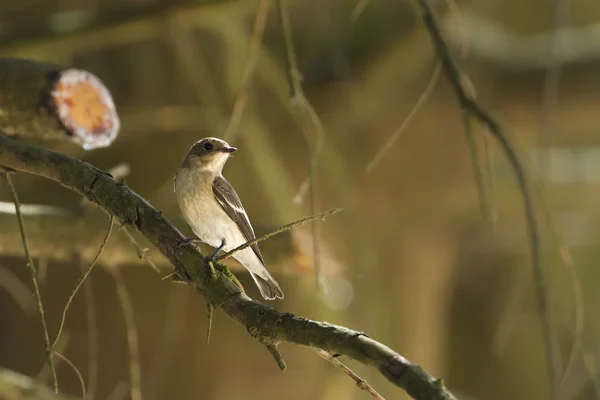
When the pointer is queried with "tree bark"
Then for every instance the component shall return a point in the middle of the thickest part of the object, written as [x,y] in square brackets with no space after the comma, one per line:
[267,325]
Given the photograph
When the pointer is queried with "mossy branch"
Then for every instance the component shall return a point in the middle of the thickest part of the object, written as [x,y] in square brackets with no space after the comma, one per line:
[263,322]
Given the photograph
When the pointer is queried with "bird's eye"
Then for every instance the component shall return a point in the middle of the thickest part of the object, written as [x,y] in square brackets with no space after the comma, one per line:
[207,146]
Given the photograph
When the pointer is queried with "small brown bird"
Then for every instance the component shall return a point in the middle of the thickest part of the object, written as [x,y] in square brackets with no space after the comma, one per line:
[214,211]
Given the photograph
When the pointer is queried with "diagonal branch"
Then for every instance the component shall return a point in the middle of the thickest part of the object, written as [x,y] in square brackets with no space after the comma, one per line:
[470,106]
[264,323]
[277,231]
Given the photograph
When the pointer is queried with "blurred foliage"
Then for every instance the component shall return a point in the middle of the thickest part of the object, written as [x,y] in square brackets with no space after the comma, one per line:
[410,261]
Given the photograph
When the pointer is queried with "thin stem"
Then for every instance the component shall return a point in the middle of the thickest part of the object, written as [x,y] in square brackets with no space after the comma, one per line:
[253,56]
[360,382]
[435,77]
[308,119]
[31,266]
[74,368]
[282,229]
[83,278]
[135,367]
[470,105]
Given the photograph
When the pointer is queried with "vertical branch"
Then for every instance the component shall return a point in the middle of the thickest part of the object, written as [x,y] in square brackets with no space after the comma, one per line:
[253,55]
[308,119]
[551,88]
[135,368]
[31,266]
[92,331]
[470,105]
[477,168]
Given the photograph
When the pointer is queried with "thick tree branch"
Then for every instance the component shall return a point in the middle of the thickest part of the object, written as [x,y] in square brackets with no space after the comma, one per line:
[46,101]
[76,232]
[264,323]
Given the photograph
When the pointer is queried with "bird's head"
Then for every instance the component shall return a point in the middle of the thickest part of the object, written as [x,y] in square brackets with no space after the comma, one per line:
[208,154]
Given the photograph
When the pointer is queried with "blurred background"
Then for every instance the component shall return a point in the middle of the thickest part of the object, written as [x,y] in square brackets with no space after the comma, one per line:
[412,260]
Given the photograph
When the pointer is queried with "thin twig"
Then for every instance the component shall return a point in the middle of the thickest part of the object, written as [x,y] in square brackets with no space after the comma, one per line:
[470,105]
[251,62]
[360,382]
[307,118]
[489,169]
[209,320]
[277,231]
[141,251]
[477,169]
[578,301]
[83,278]
[92,336]
[45,373]
[276,356]
[135,367]
[74,368]
[31,266]
[435,77]
[548,113]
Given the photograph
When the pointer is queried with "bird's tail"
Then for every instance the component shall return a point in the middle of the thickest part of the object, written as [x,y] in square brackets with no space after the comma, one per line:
[269,288]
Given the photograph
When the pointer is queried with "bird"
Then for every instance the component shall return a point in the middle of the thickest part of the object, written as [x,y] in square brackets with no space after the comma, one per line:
[214,211]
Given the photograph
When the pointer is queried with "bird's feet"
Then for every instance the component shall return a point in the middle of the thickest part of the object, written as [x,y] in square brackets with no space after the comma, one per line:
[212,259]
[185,242]
[217,251]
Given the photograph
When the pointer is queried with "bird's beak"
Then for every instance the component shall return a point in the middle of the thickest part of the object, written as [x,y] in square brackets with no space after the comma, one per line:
[229,149]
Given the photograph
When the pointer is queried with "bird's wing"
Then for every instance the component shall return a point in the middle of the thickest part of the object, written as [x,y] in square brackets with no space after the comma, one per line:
[231,204]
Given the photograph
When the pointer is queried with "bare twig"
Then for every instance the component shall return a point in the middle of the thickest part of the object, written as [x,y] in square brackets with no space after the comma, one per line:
[253,57]
[489,168]
[276,356]
[31,266]
[74,368]
[45,373]
[435,77]
[209,320]
[141,251]
[578,301]
[360,382]
[470,105]
[307,118]
[477,168]
[135,367]
[83,278]
[282,229]
[551,90]
[92,339]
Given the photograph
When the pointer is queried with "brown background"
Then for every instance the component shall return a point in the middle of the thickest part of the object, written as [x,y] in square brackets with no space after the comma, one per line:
[411,261]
